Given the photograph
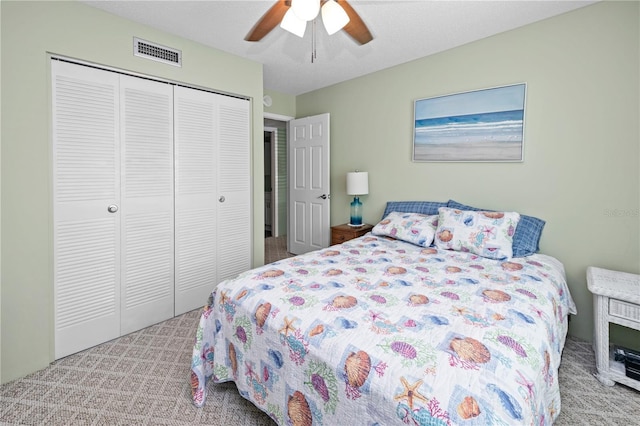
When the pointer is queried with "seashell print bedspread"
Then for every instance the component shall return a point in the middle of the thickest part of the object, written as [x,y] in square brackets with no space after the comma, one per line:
[379,331]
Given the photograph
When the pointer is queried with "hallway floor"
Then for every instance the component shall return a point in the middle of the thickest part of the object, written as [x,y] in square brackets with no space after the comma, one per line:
[275,248]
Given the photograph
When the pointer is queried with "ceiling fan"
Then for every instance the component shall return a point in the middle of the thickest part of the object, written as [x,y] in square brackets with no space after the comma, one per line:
[293,15]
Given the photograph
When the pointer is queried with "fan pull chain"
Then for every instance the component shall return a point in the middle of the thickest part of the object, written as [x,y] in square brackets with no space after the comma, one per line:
[313,41]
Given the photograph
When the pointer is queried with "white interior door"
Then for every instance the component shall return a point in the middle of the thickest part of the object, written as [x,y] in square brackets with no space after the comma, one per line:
[309,196]
[147,228]
[86,181]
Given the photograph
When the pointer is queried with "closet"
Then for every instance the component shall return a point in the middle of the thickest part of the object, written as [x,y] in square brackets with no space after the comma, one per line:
[151,200]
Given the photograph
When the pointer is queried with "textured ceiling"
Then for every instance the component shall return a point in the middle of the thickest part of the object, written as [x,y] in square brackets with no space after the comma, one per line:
[402,31]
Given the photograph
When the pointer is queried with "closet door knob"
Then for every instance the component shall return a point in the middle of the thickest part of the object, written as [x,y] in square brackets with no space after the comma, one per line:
[112,208]
[221,199]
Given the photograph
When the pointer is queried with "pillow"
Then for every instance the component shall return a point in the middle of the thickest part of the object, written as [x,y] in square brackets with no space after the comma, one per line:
[527,237]
[422,207]
[415,228]
[487,234]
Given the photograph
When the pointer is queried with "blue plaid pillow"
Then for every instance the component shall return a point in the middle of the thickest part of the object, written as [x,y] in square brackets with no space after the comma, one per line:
[526,240]
[423,207]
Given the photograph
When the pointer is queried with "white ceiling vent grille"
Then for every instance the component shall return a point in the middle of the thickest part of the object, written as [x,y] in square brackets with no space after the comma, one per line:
[156,52]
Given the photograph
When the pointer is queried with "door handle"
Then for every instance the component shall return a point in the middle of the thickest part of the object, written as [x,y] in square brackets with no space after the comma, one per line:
[325,196]
[112,208]
[221,199]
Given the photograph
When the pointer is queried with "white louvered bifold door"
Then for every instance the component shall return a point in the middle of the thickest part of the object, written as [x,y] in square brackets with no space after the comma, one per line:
[86,169]
[195,197]
[234,187]
[151,200]
[147,233]
[213,190]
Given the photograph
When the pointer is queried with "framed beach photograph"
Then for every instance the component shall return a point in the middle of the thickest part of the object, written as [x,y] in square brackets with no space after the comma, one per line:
[481,125]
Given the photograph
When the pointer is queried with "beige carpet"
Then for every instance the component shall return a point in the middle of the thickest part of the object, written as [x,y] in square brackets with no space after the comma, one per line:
[143,379]
[138,379]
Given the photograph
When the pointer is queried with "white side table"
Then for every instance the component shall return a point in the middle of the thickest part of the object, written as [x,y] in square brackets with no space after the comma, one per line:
[616,299]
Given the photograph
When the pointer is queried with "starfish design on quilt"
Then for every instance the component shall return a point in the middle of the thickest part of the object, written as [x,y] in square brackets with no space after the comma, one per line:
[460,311]
[488,230]
[410,392]
[249,370]
[288,326]
[528,385]
[375,316]
[224,298]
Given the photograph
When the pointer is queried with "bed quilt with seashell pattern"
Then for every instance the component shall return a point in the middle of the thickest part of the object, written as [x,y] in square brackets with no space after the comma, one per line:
[380,331]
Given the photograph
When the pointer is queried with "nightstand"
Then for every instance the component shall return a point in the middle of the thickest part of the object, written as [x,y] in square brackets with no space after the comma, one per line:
[616,299]
[344,232]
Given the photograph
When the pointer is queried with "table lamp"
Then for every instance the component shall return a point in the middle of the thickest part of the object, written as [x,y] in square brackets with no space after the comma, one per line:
[357,184]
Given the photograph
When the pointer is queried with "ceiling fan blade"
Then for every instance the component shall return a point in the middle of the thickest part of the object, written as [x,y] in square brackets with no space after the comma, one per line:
[356,27]
[268,21]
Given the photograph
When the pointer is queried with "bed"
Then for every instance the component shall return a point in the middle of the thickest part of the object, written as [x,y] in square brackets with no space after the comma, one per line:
[431,319]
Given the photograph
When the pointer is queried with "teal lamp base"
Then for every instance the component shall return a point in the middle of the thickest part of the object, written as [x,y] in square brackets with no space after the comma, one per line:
[356,212]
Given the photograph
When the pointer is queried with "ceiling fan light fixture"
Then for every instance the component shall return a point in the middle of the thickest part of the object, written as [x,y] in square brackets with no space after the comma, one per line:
[293,24]
[334,17]
[306,10]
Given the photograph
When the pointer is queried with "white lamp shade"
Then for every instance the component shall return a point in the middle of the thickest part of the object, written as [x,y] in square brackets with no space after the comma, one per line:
[306,10]
[293,24]
[357,183]
[334,17]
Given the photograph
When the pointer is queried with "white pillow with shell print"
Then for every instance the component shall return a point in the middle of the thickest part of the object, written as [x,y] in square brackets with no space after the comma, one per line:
[485,233]
[415,228]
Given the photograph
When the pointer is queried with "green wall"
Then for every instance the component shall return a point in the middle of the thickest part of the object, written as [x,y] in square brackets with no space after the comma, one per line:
[30,31]
[282,103]
[581,170]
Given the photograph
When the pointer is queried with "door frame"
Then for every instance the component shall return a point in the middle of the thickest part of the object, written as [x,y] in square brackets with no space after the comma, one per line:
[273,142]
[275,229]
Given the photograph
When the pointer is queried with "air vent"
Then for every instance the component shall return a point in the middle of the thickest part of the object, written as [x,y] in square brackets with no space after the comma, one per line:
[156,52]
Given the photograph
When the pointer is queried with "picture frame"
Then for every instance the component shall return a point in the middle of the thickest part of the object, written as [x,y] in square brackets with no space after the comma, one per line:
[485,125]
